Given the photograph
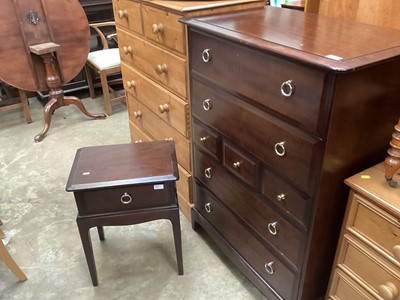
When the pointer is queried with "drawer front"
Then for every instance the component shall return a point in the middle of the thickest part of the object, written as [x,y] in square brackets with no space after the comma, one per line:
[374,271]
[164,28]
[127,13]
[280,278]
[285,148]
[260,77]
[287,197]
[241,165]
[379,227]
[273,228]
[185,185]
[207,139]
[160,65]
[164,104]
[145,119]
[344,288]
[137,134]
[125,198]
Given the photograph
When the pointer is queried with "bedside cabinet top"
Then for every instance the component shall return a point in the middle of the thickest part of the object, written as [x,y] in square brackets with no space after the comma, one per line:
[125,164]
[372,183]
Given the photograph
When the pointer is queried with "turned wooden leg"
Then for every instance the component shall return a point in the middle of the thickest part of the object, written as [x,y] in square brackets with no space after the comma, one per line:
[49,108]
[76,101]
[392,162]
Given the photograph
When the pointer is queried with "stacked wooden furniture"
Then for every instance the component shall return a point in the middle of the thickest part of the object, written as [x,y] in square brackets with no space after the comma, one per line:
[283,112]
[367,264]
[153,52]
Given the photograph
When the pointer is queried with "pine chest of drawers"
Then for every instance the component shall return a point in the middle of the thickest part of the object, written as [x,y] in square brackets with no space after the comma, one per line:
[152,45]
[285,106]
[367,264]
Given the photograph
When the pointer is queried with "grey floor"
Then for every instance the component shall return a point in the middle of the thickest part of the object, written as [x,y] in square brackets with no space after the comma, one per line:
[134,262]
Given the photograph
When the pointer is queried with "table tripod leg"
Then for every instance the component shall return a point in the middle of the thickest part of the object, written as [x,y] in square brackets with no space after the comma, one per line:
[76,101]
[49,108]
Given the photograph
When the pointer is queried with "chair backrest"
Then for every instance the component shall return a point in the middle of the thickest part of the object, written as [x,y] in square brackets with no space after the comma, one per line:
[106,32]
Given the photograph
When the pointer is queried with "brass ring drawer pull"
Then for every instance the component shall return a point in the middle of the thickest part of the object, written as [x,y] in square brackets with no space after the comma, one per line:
[287,88]
[280,148]
[162,108]
[206,55]
[388,291]
[131,84]
[127,50]
[137,114]
[269,268]
[207,104]
[272,228]
[281,197]
[157,28]
[123,14]
[160,69]
[126,198]
[207,172]
[208,207]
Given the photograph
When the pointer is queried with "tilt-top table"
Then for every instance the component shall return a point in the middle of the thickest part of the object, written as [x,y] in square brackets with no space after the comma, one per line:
[44,44]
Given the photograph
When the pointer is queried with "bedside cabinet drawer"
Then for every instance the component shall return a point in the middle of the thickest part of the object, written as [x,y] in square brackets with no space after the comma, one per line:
[275,83]
[160,65]
[125,198]
[374,224]
[374,271]
[207,139]
[145,119]
[268,266]
[164,28]
[127,13]
[163,103]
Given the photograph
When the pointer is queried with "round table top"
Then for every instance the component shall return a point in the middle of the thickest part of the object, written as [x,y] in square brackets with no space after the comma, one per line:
[25,23]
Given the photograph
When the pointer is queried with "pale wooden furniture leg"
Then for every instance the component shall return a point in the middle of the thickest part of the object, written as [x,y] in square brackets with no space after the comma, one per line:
[106,92]
[9,261]
[25,106]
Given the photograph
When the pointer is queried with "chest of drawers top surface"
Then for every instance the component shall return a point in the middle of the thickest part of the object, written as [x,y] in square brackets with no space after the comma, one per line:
[372,183]
[333,44]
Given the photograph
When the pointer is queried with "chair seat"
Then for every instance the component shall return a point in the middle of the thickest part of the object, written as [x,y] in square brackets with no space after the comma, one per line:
[105,59]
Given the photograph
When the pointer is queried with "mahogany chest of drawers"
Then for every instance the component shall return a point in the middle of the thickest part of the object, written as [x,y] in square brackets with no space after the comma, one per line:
[367,264]
[285,106]
[152,45]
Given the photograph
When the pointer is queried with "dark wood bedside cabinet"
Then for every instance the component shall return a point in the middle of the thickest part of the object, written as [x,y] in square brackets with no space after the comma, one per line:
[124,185]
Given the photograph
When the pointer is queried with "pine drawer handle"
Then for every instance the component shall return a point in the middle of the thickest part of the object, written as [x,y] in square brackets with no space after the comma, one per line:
[162,108]
[127,50]
[157,28]
[137,114]
[123,14]
[162,68]
[131,84]
[388,291]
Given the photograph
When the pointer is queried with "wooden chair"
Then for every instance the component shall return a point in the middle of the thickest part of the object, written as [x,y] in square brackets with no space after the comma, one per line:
[104,62]
[8,102]
[6,257]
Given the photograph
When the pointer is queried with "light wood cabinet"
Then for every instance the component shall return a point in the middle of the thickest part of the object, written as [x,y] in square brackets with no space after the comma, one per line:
[367,263]
[153,51]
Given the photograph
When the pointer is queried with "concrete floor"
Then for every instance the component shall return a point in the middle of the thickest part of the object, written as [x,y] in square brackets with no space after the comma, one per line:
[134,262]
